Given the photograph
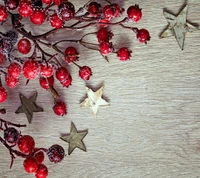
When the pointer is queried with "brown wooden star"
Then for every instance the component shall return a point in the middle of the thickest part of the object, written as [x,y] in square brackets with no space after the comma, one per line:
[28,106]
[75,139]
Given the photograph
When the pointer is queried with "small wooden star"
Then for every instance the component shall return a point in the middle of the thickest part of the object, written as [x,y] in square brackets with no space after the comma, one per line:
[94,100]
[75,139]
[178,26]
[28,106]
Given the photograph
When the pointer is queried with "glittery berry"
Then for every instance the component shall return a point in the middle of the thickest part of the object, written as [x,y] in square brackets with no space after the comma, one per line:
[56,153]
[38,17]
[12,4]
[124,54]
[56,21]
[66,10]
[3,13]
[67,82]
[26,144]
[134,13]
[46,82]
[31,69]
[30,165]
[3,94]
[14,70]
[71,54]
[85,72]
[24,46]
[62,73]
[25,9]
[60,108]
[105,48]
[46,70]
[42,171]
[11,135]
[143,35]
[11,81]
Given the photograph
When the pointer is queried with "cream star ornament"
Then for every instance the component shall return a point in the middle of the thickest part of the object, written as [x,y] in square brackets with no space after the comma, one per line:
[94,100]
[75,139]
[178,26]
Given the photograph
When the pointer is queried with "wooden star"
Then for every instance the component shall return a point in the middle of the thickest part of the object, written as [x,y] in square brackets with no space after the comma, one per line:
[75,139]
[94,100]
[178,26]
[28,106]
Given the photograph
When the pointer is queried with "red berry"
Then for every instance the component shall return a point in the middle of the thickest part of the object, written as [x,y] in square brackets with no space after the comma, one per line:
[67,82]
[124,54]
[39,156]
[11,135]
[14,70]
[12,4]
[60,108]
[56,21]
[56,153]
[134,13]
[42,171]
[2,58]
[57,2]
[24,46]
[66,10]
[11,81]
[94,8]
[3,13]
[105,48]
[104,35]
[143,35]
[30,164]
[46,70]
[71,54]
[3,94]
[108,12]
[47,1]
[46,82]
[31,69]
[26,144]
[25,9]
[85,72]
[62,74]
[117,10]
[103,23]
[38,17]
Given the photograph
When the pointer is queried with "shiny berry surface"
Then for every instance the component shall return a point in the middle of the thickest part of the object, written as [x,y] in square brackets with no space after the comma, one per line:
[62,73]
[31,69]
[67,82]
[11,81]
[56,153]
[42,171]
[24,46]
[56,21]
[3,13]
[46,82]
[46,70]
[47,1]
[25,9]
[94,8]
[30,165]
[38,17]
[134,13]
[105,48]
[85,72]
[60,108]
[12,4]
[124,54]
[143,35]
[103,35]
[71,54]
[3,94]
[26,144]
[14,70]
[11,135]
[39,156]
[66,10]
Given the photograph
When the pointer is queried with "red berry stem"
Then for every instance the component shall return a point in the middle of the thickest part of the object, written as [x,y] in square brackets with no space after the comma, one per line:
[6,123]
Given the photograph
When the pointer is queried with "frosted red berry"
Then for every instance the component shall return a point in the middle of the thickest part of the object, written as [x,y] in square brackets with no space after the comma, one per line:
[56,153]
[94,8]
[11,135]
[124,54]
[24,46]
[134,13]
[25,9]
[30,165]
[12,4]
[47,1]
[26,144]
[60,108]
[105,48]
[14,70]
[42,171]
[62,73]
[103,35]
[38,17]
[3,94]
[143,35]
[46,70]
[31,69]
[46,82]
[66,10]
[67,82]
[11,81]
[71,54]
[56,21]
[108,12]
[3,13]
[85,72]
[39,156]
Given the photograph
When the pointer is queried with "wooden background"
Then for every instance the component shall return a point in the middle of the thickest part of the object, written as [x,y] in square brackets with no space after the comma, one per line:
[151,129]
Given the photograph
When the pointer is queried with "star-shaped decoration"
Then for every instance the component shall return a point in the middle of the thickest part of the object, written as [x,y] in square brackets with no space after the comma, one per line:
[178,26]
[75,139]
[94,100]
[28,106]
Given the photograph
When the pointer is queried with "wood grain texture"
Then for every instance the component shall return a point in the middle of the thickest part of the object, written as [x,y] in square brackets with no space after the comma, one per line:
[151,129]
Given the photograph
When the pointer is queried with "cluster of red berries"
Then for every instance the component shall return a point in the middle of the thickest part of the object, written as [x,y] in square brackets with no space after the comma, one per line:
[58,13]
[33,157]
